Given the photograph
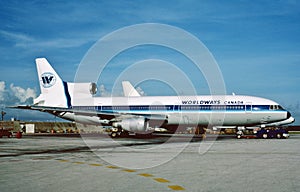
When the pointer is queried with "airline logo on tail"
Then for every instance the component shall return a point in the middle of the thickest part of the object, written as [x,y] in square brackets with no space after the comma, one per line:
[48,79]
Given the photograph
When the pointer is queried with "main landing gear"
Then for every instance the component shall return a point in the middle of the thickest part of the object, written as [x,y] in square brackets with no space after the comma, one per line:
[240,132]
[118,132]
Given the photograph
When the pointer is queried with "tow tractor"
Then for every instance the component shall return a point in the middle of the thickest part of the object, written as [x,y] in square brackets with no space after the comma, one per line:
[272,133]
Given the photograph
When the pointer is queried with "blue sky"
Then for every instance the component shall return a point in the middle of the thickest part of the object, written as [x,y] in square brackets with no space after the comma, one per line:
[255,43]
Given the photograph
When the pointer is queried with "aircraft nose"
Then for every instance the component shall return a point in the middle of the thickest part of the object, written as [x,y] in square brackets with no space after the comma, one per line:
[293,120]
[288,115]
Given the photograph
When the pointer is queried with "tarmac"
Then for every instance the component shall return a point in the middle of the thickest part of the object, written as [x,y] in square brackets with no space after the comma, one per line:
[177,163]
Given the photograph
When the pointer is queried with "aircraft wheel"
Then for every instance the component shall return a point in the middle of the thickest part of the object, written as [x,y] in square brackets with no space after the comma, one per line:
[239,136]
[265,135]
[278,136]
[113,134]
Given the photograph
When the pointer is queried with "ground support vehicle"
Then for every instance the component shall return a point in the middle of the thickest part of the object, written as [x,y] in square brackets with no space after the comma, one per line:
[272,133]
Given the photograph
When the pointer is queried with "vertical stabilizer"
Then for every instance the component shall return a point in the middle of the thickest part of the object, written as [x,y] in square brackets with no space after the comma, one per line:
[54,92]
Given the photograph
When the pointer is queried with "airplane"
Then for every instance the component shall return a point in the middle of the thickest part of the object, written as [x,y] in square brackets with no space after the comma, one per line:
[142,114]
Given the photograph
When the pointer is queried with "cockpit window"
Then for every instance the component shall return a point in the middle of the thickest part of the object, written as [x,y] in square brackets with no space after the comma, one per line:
[275,107]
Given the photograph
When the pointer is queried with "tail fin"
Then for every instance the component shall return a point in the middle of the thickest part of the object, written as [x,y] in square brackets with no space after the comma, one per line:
[54,91]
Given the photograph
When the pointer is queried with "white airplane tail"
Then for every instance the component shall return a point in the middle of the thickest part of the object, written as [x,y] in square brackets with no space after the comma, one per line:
[54,91]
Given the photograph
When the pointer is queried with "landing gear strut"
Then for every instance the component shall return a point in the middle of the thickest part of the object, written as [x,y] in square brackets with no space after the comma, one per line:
[240,132]
[200,131]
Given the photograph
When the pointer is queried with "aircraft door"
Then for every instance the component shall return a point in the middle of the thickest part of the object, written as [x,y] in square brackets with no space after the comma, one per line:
[248,111]
[248,107]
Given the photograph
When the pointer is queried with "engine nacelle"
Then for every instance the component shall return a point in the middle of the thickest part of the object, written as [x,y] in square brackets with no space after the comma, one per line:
[80,90]
[135,124]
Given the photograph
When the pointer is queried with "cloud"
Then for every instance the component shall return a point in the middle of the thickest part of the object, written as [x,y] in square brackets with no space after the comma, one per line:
[2,91]
[15,95]
[22,94]
[103,92]
[141,91]
[16,36]
[59,42]
[22,40]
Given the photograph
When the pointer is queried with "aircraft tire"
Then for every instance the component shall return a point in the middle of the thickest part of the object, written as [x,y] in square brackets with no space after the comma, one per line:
[113,134]
[278,136]
[265,135]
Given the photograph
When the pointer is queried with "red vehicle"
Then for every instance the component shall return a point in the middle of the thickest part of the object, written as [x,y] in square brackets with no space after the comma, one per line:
[5,132]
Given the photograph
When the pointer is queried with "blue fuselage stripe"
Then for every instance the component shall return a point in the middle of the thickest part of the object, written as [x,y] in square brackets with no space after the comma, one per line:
[177,108]
[68,97]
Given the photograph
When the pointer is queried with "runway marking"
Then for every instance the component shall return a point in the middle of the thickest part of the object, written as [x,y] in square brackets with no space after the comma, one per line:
[161,180]
[78,162]
[145,175]
[112,167]
[176,188]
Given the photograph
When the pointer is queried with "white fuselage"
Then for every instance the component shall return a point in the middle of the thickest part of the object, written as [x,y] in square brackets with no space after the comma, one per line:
[202,110]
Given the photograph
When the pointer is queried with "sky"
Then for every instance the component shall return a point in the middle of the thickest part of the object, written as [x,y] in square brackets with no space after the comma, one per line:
[256,45]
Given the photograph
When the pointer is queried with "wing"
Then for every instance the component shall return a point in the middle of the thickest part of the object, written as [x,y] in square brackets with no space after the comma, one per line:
[110,116]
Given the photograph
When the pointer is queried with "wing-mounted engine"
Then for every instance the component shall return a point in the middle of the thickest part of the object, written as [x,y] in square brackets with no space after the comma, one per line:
[133,124]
